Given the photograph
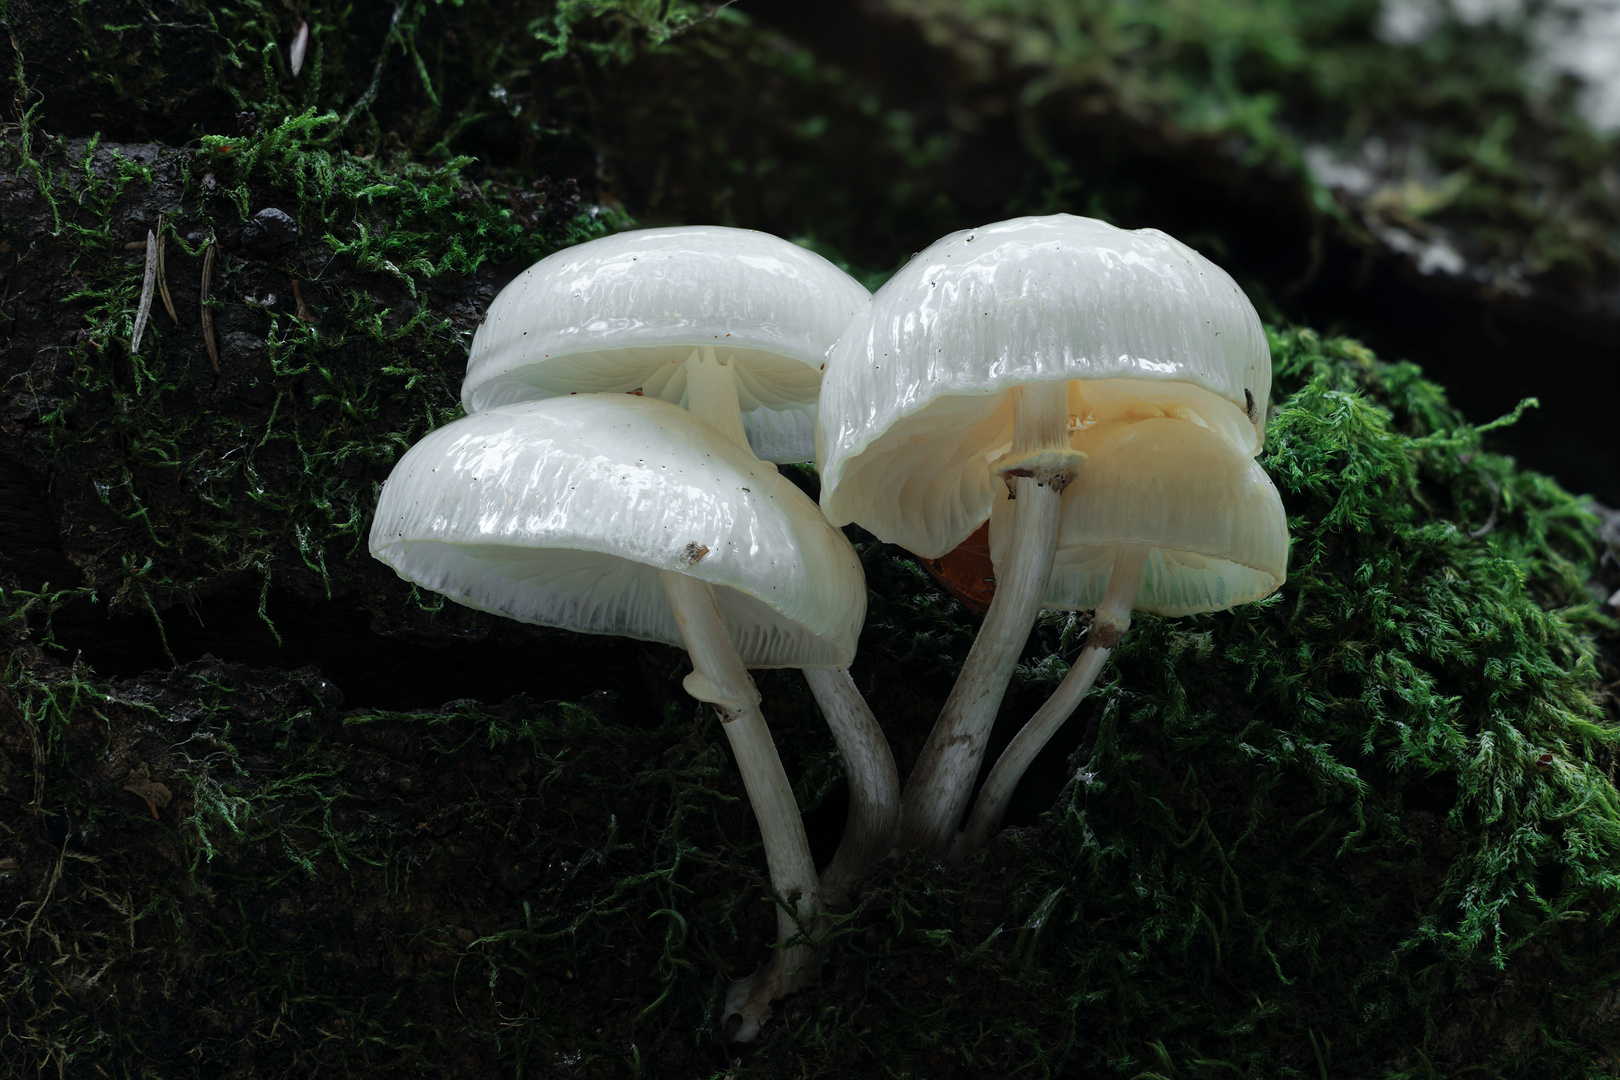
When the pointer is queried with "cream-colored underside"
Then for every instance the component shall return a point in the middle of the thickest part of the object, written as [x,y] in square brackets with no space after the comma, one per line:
[1211,519]
[593,593]
[926,483]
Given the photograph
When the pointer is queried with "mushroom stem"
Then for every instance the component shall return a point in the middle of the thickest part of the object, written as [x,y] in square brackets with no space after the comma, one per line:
[711,392]
[874,784]
[1038,468]
[1108,626]
[719,677]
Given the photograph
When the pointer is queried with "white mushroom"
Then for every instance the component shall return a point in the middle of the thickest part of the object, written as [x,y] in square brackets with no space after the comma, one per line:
[621,515]
[732,323]
[962,381]
[1166,517]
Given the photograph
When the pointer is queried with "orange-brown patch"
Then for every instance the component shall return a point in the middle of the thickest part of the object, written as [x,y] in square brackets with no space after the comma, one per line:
[965,571]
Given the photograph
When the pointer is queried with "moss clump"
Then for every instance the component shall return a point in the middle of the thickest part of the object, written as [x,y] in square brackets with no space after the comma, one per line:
[1447,152]
[335,350]
[1366,827]
[223,864]
[1444,150]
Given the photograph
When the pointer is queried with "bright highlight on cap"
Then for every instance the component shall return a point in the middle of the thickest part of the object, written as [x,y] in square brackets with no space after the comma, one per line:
[563,512]
[916,404]
[624,314]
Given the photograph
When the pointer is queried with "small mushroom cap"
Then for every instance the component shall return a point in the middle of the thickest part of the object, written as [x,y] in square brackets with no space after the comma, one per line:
[563,512]
[623,313]
[916,402]
[1210,515]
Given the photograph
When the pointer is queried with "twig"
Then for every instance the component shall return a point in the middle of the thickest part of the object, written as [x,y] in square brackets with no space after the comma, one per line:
[163,276]
[39,763]
[207,314]
[148,284]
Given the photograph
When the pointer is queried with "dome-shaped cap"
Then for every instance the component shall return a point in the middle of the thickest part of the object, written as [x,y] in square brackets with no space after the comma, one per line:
[563,512]
[622,314]
[916,400]
[1210,516]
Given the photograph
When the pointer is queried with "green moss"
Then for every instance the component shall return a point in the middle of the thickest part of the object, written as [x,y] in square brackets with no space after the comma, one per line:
[1367,826]
[270,468]
[1454,138]
[1321,831]
[692,109]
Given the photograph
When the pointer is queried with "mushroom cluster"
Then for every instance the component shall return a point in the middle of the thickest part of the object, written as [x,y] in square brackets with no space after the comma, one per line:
[978,376]
[1095,396]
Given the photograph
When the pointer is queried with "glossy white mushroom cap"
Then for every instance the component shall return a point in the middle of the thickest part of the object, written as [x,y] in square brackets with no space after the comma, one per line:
[916,400]
[1209,514]
[624,313]
[563,512]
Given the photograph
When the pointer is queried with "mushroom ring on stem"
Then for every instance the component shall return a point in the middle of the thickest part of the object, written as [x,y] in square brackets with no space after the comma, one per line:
[739,318]
[613,514]
[960,384]
[1167,517]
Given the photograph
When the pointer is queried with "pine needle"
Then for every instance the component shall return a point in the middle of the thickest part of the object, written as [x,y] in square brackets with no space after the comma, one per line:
[207,313]
[163,276]
[303,310]
[148,284]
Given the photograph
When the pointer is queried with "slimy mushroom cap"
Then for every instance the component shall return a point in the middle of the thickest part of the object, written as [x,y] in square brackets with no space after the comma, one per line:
[915,405]
[563,512]
[622,315]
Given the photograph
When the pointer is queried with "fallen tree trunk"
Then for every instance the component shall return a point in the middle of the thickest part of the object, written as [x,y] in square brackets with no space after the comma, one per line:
[266,811]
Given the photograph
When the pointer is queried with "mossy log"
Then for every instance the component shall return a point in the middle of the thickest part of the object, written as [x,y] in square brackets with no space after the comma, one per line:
[266,811]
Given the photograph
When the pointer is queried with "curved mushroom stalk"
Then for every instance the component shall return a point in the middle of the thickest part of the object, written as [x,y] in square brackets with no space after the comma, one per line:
[719,678]
[711,392]
[874,783]
[608,513]
[1167,517]
[748,1001]
[1038,468]
[1108,627]
[1049,312]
